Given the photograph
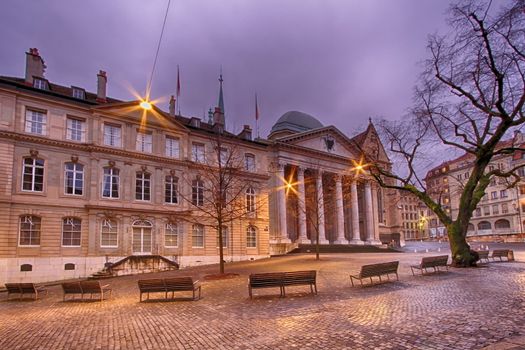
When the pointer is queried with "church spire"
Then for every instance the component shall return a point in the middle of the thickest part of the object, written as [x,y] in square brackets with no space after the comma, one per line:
[221,96]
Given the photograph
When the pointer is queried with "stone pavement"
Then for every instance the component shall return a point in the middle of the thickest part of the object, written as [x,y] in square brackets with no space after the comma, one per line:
[462,309]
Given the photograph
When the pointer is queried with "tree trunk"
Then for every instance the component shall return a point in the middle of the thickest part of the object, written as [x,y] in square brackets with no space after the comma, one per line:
[221,251]
[317,245]
[462,255]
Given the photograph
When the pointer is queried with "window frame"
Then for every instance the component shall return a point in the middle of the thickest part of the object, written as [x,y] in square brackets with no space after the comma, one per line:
[111,135]
[30,232]
[248,238]
[250,196]
[177,234]
[111,176]
[225,238]
[70,131]
[197,193]
[168,146]
[33,174]
[116,233]
[29,124]
[74,171]
[194,229]
[144,142]
[196,150]
[72,232]
[145,178]
[173,189]
[247,166]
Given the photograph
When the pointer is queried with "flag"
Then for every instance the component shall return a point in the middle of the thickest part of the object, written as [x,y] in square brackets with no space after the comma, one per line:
[178,82]
[256,109]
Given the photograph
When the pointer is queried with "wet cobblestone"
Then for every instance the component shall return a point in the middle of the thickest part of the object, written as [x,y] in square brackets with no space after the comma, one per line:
[461,309]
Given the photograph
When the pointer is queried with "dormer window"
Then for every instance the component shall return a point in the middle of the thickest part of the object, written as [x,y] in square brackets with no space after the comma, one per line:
[78,93]
[40,83]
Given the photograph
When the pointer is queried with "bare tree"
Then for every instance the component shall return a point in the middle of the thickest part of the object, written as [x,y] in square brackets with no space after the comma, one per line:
[219,182]
[470,97]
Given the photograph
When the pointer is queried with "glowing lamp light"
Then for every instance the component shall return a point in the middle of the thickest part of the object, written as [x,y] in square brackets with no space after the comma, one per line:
[145,105]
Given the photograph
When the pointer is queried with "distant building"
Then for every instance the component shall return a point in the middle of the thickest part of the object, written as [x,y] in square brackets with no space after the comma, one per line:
[414,217]
[500,210]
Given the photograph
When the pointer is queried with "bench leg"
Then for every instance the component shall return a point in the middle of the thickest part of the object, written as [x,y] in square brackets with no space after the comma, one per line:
[283,292]
[397,276]
[315,286]
[380,280]
[250,291]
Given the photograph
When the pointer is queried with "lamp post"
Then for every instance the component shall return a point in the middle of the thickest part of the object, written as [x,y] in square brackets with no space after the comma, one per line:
[517,206]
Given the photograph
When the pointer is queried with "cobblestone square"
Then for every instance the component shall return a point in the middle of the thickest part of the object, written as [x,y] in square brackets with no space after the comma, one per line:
[461,309]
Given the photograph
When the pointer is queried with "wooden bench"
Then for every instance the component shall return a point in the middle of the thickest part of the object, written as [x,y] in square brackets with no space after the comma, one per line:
[167,285]
[431,262]
[483,255]
[84,288]
[266,280]
[500,254]
[376,270]
[297,278]
[24,288]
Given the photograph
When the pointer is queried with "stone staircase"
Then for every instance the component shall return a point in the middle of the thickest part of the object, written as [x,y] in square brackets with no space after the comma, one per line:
[136,264]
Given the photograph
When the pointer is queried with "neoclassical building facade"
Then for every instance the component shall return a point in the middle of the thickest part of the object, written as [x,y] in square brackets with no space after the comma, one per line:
[87,180]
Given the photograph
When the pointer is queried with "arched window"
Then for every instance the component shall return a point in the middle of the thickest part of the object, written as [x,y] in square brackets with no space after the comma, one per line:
[71,231]
[250,200]
[33,175]
[484,225]
[73,178]
[502,223]
[197,192]
[470,227]
[251,237]
[110,187]
[171,190]
[30,227]
[142,186]
[109,233]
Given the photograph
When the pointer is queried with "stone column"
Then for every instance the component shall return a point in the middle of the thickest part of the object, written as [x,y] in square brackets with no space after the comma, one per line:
[356,236]
[320,208]
[281,195]
[303,238]
[376,213]
[340,211]
[369,204]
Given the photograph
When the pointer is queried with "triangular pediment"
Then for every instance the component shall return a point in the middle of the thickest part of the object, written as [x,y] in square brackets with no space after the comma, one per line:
[369,143]
[327,139]
[132,112]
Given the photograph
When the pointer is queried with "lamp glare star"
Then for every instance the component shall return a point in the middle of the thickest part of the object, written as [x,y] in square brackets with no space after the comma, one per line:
[145,105]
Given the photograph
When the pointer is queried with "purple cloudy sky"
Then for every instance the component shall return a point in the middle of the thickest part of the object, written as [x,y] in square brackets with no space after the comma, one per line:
[341,61]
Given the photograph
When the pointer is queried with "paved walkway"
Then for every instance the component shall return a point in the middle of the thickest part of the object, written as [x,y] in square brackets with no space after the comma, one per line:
[462,309]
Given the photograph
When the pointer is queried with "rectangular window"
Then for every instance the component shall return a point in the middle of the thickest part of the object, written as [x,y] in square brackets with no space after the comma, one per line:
[249,162]
[36,122]
[144,142]
[492,181]
[109,234]
[494,195]
[171,189]
[522,189]
[503,194]
[71,231]
[224,237]
[40,83]
[112,135]
[521,171]
[504,208]
[171,235]
[78,93]
[75,129]
[197,153]
[33,175]
[251,237]
[74,178]
[495,209]
[478,211]
[197,236]
[30,230]
[142,186]
[172,147]
[486,210]
[110,187]
[197,193]
[224,157]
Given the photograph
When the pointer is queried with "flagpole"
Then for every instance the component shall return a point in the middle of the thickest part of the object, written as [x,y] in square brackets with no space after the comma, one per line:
[178,89]
[257,116]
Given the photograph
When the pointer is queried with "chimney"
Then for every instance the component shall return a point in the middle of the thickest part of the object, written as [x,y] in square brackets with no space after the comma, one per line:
[35,66]
[246,133]
[102,80]
[518,137]
[172,106]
